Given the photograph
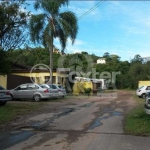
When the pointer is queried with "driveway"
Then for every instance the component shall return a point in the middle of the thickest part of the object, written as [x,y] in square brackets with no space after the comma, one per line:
[94,123]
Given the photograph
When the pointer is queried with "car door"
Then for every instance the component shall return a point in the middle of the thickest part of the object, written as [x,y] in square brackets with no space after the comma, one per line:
[19,92]
[31,89]
[55,90]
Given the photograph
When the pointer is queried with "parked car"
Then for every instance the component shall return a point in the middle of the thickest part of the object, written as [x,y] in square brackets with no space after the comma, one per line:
[4,96]
[61,89]
[58,90]
[30,91]
[141,92]
[147,103]
[51,88]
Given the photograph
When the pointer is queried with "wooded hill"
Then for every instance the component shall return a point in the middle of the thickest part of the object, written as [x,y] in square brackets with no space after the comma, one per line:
[131,72]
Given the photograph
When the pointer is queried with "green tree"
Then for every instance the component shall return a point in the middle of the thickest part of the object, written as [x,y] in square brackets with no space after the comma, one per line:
[137,72]
[4,64]
[53,24]
[13,21]
[137,59]
[106,55]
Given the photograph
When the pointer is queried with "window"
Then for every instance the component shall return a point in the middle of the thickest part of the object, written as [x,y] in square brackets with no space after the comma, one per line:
[32,87]
[50,85]
[22,87]
[54,87]
[148,88]
[140,87]
[47,78]
[54,79]
[44,86]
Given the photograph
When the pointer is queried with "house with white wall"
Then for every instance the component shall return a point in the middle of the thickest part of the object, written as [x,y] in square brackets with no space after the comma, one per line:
[101,61]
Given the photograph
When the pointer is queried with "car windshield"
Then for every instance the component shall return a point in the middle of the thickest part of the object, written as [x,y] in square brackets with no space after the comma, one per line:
[61,87]
[22,87]
[44,86]
[54,87]
[32,86]
[140,87]
[50,85]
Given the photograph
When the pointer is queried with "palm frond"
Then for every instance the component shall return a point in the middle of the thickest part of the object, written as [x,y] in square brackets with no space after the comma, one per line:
[37,5]
[50,6]
[62,37]
[36,26]
[69,24]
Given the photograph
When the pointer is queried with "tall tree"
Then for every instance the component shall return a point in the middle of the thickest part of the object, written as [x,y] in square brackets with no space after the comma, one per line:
[4,64]
[13,21]
[137,59]
[52,24]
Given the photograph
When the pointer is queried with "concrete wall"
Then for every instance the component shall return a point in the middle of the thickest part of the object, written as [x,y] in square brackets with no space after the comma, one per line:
[142,83]
[3,81]
[40,77]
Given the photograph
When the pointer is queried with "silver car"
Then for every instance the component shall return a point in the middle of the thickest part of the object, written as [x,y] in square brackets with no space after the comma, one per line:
[4,96]
[30,91]
[61,89]
[52,88]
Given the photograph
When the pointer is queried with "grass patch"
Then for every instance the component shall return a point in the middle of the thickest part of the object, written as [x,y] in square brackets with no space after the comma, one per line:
[137,122]
[13,109]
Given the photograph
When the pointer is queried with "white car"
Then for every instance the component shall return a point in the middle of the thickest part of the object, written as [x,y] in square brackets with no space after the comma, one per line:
[141,92]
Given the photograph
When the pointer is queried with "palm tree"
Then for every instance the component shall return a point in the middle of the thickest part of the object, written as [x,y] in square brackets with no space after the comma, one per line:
[53,24]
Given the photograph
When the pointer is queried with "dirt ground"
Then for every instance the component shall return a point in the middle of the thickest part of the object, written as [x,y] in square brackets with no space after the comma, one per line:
[75,123]
[61,106]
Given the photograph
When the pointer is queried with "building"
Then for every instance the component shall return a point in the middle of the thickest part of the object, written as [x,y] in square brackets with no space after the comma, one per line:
[21,74]
[101,61]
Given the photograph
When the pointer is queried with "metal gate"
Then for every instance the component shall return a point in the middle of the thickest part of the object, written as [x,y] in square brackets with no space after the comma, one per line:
[15,80]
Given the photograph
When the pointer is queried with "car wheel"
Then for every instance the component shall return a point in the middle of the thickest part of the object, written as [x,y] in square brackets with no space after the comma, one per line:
[37,98]
[143,95]
[140,97]
[2,103]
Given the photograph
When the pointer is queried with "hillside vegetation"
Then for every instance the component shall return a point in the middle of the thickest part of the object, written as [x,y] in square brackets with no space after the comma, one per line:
[131,72]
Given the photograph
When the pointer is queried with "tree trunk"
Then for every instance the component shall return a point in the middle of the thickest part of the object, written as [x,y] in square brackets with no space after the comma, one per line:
[51,59]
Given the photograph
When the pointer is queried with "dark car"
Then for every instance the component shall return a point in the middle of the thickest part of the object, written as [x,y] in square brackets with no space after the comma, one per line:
[4,96]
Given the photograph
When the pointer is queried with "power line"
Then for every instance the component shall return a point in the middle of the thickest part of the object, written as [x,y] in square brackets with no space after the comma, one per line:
[91,9]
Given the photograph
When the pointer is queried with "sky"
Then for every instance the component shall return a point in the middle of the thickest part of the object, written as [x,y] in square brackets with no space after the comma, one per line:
[116,27]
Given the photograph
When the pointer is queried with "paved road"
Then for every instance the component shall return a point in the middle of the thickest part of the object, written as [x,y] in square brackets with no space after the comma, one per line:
[87,124]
